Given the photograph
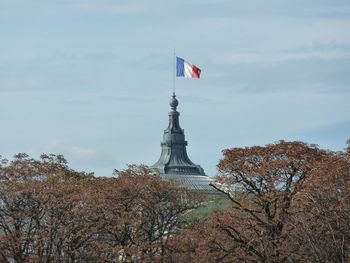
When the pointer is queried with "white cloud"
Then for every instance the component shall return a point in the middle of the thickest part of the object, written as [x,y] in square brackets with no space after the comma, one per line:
[79,157]
[44,7]
[73,153]
[107,7]
[79,152]
[23,83]
[54,146]
[276,56]
[261,33]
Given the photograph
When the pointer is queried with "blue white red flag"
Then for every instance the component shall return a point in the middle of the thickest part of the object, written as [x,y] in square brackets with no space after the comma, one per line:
[186,69]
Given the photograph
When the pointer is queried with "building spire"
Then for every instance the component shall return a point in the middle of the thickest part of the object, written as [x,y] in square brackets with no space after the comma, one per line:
[173,158]
[174,164]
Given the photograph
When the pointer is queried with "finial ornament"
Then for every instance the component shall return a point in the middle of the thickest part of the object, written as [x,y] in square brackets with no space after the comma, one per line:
[174,102]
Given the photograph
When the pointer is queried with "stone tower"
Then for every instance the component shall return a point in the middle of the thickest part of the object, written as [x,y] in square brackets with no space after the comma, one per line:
[173,163]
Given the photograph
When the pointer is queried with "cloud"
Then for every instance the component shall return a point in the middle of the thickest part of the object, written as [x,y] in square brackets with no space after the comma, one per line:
[79,157]
[43,7]
[23,82]
[27,55]
[198,99]
[107,7]
[83,56]
[82,153]
[316,76]
[337,10]
[49,147]
[102,99]
[78,5]
[270,57]
[263,33]
[331,136]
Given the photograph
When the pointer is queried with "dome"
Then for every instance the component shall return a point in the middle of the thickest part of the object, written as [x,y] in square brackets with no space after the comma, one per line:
[174,163]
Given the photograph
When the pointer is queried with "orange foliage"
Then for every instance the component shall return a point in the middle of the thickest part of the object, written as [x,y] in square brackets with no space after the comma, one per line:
[49,213]
[290,202]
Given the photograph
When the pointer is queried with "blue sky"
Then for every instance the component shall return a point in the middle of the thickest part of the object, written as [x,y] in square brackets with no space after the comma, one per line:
[91,79]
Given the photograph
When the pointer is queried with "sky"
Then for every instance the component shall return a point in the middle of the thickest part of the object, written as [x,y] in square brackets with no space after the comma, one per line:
[92,79]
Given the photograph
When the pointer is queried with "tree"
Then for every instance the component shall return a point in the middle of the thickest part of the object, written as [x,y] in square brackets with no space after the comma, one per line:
[50,213]
[290,203]
[323,221]
[263,184]
[137,214]
[38,199]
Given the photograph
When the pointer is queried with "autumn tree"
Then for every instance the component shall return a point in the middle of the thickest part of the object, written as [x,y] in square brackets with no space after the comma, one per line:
[50,213]
[262,183]
[137,212]
[38,199]
[289,203]
[323,218]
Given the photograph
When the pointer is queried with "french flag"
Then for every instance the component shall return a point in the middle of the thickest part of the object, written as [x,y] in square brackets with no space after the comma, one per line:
[186,69]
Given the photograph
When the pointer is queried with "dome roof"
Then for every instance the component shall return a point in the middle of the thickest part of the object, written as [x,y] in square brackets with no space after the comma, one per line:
[174,164]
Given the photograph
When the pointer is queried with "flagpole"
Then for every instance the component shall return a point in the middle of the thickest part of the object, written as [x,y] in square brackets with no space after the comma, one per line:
[174,71]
